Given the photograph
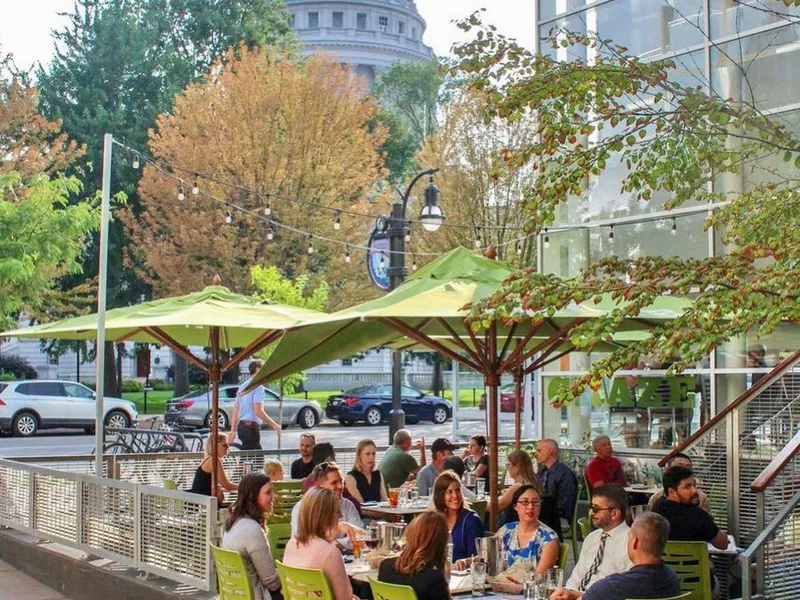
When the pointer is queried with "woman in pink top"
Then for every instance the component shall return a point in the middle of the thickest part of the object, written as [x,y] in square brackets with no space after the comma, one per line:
[313,548]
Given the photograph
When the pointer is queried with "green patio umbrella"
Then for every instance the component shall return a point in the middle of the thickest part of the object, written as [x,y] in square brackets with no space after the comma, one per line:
[214,317]
[429,309]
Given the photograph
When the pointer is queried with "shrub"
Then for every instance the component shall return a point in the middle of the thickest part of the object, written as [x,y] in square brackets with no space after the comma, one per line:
[6,376]
[131,385]
[17,366]
[159,385]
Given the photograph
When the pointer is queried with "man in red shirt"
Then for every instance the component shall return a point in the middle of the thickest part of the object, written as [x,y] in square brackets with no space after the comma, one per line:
[604,468]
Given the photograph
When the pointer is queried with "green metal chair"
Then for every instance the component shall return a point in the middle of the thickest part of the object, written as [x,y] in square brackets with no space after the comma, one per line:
[691,564]
[169,484]
[479,506]
[298,583]
[232,578]
[585,526]
[572,532]
[278,535]
[391,591]
[287,494]
[681,597]
[563,555]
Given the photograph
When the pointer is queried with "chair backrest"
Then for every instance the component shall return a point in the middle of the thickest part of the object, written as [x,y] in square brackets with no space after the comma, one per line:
[681,597]
[287,494]
[298,583]
[479,506]
[278,535]
[391,591]
[232,578]
[563,554]
[585,525]
[691,564]
[170,484]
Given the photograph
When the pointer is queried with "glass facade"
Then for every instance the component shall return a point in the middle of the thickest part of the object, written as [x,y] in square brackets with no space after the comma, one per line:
[750,57]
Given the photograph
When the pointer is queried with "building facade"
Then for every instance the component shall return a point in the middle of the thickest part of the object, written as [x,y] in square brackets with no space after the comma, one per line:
[368,35]
[740,49]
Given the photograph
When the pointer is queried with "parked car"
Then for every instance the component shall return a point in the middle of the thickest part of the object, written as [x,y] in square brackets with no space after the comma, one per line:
[194,409]
[372,403]
[507,398]
[29,405]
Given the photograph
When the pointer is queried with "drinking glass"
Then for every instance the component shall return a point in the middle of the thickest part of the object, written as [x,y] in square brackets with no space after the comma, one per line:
[480,486]
[372,537]
[358,546]
[403,499]
[478,578]
[394,497]
[541,583]
[555,577]
[413,497]
[399,542]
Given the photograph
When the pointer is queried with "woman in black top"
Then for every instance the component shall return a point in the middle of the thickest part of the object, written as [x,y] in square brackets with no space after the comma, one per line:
[202,477]
[475,457]
[364,482]
[421,564]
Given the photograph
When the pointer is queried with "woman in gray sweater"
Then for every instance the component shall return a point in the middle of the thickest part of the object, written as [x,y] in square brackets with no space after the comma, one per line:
[244,532]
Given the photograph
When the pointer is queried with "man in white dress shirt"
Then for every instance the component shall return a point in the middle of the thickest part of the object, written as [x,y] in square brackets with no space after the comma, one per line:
[605,550]
[328,476]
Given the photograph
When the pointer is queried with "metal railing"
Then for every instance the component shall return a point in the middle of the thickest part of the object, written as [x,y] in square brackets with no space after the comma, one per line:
[775,551]
[733,448]
[152,529]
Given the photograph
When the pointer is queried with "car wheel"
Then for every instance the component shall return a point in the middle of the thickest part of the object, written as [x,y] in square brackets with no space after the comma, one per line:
[25,424]
[374,416]
[307,418]
[222,420]
[439,415]
[117,419]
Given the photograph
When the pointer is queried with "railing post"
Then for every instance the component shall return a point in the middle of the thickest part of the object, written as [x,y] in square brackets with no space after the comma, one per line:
[137,527]
[31,500]
[760,525]
[78,512]
[734,483]
[211,535]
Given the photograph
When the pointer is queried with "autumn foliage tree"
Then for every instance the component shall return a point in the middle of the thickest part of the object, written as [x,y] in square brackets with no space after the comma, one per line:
[290,138]
[674,141]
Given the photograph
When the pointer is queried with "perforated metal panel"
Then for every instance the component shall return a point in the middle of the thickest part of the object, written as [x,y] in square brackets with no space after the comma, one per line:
[15,499]
[109,520]
[782,560]
[54,510]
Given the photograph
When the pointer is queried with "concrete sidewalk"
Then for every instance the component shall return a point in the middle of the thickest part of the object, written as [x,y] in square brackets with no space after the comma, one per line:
[17,585]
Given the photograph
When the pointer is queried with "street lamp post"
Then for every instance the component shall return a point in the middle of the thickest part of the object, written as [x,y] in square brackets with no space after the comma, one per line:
[431,217]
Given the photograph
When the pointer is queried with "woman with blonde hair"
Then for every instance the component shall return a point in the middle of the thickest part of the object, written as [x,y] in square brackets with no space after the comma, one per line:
[202,477]
[463,523]
[364,482]
[520,468]
[312,547]
[421,564]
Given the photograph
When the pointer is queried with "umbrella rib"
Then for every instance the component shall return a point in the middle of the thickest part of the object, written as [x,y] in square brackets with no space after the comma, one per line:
[508,341]
[127,337]
[520,347]
[180,349]
[425,340]
[538,364]
[260,342]
[479,346]
[457,339]
[550,341]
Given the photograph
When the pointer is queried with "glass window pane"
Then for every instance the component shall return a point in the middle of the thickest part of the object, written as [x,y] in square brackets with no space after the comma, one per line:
[731,17]
[552,8]
[759,69]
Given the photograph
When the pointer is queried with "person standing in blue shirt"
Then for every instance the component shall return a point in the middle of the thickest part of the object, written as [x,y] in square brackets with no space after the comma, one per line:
[249,415]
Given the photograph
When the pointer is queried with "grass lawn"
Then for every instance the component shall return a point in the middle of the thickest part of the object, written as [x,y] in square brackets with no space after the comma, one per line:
[156,401]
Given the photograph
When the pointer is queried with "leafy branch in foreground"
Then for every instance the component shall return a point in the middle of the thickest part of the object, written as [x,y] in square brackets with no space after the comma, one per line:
[678,145]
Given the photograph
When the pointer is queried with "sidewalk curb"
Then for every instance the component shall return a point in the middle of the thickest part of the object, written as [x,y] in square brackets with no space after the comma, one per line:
[70,572]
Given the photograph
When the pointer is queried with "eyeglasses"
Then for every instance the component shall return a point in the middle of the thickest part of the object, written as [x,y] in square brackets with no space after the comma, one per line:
[526,503]
[594,508]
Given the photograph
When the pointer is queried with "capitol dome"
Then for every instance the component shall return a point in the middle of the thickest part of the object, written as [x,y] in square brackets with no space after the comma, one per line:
[367,34]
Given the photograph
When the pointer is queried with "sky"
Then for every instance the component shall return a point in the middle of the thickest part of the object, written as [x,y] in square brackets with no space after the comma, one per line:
[25,26]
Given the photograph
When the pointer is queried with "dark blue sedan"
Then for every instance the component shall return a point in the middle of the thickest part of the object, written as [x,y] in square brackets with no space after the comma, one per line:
[372,403]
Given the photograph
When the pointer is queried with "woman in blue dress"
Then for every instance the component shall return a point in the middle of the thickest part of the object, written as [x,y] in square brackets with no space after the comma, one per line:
[463,523]
[528,538]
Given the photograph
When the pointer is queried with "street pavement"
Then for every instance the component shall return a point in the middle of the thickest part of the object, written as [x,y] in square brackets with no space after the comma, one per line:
[62,442]
[17,585]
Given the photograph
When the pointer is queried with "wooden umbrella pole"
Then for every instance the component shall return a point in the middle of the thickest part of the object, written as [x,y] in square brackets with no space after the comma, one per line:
[518,375]
[492,380]
[214,375]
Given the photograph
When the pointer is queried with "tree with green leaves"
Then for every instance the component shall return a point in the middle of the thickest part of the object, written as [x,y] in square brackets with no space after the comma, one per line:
[674,142]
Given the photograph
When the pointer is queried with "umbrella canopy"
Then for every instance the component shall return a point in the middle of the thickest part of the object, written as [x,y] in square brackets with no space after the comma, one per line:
[214,317]
[430,309]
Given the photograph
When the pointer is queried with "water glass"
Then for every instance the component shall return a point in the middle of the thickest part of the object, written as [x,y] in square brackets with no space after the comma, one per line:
[555,577]
[413,497]
[478,578]
[403,499]
[480,486]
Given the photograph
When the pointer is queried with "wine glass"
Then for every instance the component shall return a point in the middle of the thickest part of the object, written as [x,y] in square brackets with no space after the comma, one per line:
[372,537]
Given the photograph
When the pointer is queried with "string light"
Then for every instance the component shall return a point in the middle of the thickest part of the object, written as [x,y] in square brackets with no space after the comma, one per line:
[268,209]
[546,238]
[310,244]
[337,222]
[413,263]
[674,227]
[478,241]
[611,233]
[408,234]
[135,161]
[228,217]
[270,233]
[518,248]
[195,188]
[181,193]
[347,254]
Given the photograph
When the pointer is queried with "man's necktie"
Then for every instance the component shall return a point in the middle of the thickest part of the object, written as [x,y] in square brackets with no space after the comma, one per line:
[596,564]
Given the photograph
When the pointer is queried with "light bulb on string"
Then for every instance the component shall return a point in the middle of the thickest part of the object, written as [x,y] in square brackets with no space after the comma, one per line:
[478,238]
[181,193]
[611,233]
[546,238]
[337,222]
[674,227]
[135,161]
[518,248]
[270,234]
[347,254]
[408,235]
[268,209]
[228,217]
[195,188]
[310,244]
[413,263]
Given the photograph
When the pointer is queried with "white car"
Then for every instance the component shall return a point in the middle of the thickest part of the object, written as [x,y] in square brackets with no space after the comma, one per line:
[29,405]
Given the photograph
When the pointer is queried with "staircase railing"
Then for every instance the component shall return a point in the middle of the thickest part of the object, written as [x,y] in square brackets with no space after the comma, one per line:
[733,448]
[775,551]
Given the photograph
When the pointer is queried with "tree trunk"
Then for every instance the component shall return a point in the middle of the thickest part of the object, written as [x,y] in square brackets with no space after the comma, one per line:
[120,352]
[78,362]
[180,367]
[110,373]
[438,376]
